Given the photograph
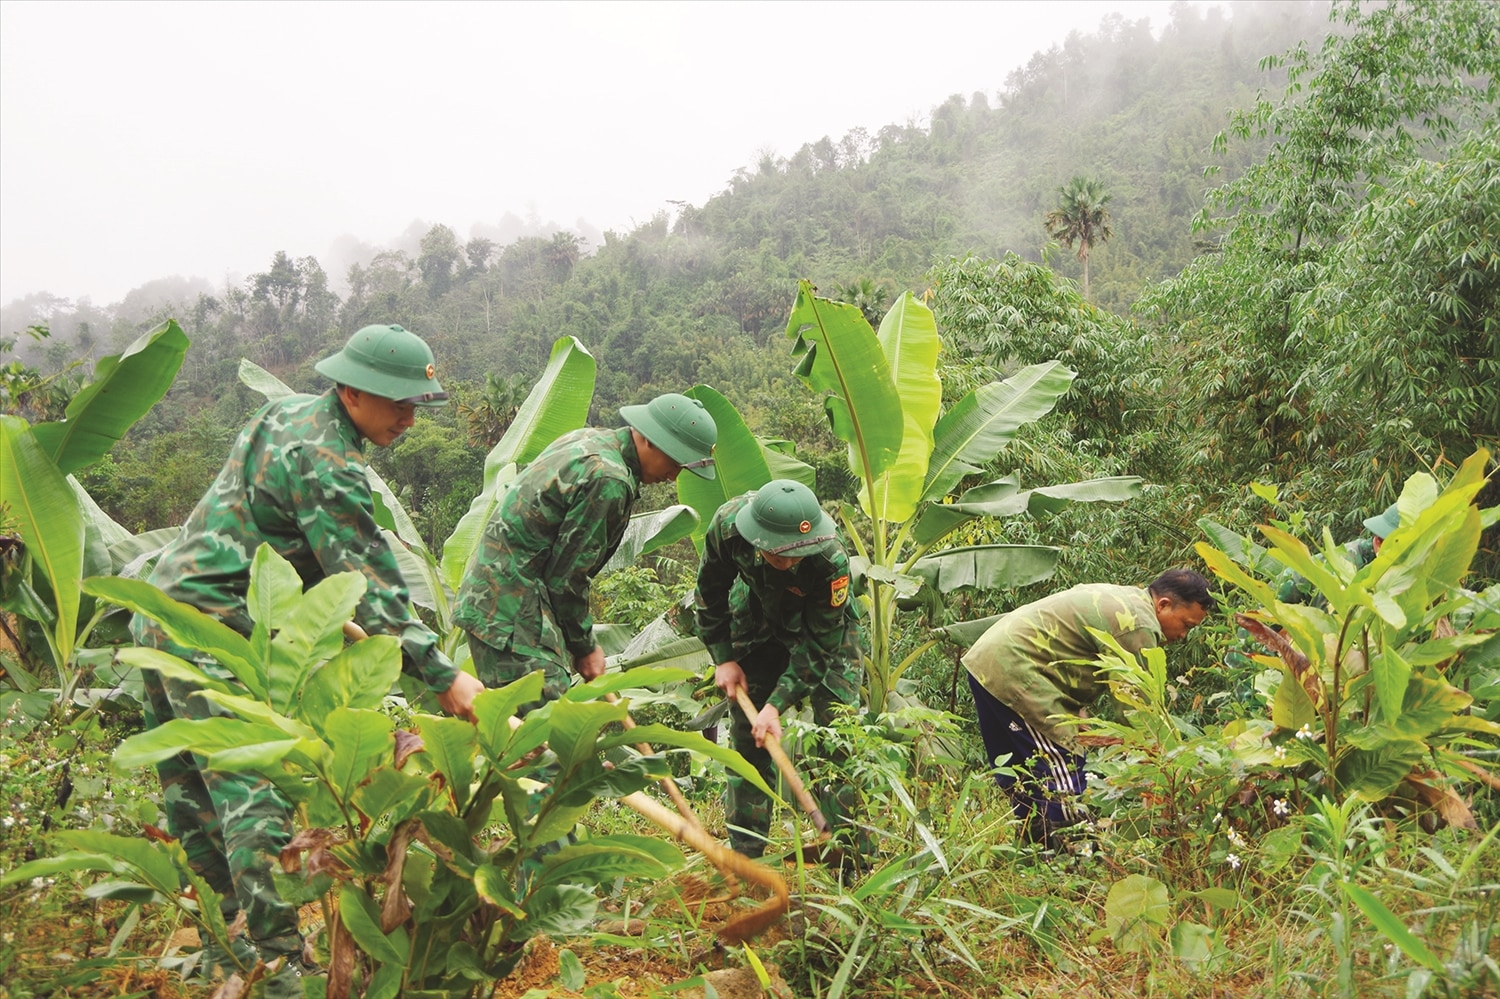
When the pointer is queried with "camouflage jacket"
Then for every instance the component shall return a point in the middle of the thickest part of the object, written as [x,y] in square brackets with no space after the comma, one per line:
[742,603]
[553,530]
[1026,659]
[1293,588]
[295,478]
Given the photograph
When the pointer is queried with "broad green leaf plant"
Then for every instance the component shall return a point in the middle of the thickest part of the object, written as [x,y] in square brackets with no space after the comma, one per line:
[396,826]
[883,398]
[1367,698]
[64,533]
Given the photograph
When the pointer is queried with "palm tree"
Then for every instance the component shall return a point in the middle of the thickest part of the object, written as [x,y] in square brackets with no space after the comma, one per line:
[1081,217]
[498,404]
[870,297]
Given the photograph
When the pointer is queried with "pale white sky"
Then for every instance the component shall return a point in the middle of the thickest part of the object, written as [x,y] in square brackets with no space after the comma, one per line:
[143,140]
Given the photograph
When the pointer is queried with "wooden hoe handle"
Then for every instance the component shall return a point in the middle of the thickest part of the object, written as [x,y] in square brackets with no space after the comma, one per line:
[668,784]
[788,772]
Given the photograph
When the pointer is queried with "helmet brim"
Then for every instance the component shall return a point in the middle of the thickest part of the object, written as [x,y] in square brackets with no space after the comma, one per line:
[418,391]
[668,443]
[774,542]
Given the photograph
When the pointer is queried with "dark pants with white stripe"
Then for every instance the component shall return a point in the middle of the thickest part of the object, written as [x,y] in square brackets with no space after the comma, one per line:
[1047,778]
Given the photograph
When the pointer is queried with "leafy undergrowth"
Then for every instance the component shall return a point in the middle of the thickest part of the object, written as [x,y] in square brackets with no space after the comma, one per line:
[1243,900]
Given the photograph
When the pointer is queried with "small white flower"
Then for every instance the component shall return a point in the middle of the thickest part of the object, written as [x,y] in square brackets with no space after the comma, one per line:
[1218,817]
[1280,754]
[1305,732]
[7,822]
[1182,679]
[1233,860]
[1235,837]
[1280,807]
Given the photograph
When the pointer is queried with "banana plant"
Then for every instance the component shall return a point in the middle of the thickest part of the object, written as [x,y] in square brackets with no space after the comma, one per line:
[64,533]
[1369,695]
[883,398]
[394,827]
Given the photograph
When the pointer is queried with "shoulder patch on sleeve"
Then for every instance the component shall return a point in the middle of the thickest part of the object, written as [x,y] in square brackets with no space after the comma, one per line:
[838,591]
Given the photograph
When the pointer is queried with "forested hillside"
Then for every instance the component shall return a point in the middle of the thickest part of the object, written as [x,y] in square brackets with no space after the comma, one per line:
[702,295]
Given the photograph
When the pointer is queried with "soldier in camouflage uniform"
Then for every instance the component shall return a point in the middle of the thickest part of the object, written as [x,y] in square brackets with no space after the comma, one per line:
[774,611]
[295,479]
[525,601]
[1036,663]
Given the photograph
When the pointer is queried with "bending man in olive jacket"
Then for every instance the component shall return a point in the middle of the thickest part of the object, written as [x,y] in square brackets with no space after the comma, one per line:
[773,609]
[295,479]
[1034,668]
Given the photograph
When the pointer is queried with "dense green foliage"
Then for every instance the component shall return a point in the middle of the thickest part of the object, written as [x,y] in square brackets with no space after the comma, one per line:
[1319,311]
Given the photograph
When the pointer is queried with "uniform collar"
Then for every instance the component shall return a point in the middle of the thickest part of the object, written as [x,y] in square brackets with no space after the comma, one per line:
[627,451]
[346,422]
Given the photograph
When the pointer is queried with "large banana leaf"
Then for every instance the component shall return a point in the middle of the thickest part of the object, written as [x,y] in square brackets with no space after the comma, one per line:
[558,404]
[987,566]
[1004,498]
[781,459]
[842,361]
[985,420]
[132,556]
[651,530]
[739,462]
[424,584]
[966,633]
[908,337]
[40,502]
[100,534]
[258,378]
[124,388]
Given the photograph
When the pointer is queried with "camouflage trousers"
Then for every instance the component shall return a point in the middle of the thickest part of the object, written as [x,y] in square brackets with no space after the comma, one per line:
[496,668]
[232,826]
[747,811]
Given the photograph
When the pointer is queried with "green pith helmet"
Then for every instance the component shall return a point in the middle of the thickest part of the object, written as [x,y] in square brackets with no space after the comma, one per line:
[784,519]
[1384,525]
[678,427]
[387,361]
